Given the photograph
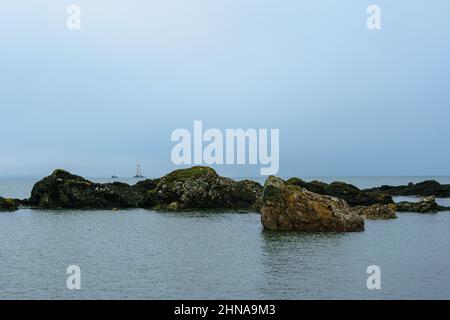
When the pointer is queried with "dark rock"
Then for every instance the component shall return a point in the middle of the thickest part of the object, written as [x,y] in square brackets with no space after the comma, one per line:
[65,190]
[313,186]
[287,207]
[202,188]
[425,205]
[22,203]
[351,194]
[377,211]
[145,185]
[7,204]
[194,188]
[423,189]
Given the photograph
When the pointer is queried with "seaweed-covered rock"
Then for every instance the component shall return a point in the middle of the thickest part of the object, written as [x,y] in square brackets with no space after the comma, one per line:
[351,194]
[202,188]
[287,207]
[426,205]
[65,190]
[377,211]
[423,189]
[7,204]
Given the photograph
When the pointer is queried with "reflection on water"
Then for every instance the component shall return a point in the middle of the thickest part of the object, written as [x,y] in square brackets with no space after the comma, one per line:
[145,254]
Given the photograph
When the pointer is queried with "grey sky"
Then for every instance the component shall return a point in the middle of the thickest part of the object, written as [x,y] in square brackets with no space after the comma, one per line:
[347,100]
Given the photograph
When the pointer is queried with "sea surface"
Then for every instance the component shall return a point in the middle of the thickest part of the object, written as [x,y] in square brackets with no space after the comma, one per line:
[144,254]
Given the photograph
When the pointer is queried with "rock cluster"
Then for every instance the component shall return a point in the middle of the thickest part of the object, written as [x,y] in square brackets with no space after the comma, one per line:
[284,205]
[287,207]
[423,189]
[184,189]
[353,195]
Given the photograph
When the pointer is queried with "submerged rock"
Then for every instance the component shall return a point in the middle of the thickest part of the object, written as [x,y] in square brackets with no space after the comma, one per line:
[426,205]
[7,204]
[64,190]
[423,189]
[351,194]
[377,211]
[202,188]
[288,207]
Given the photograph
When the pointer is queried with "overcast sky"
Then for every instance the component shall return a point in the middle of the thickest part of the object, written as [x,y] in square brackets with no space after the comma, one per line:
[348,101]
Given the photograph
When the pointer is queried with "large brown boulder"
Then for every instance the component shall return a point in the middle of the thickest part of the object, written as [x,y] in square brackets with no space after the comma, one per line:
[287,207]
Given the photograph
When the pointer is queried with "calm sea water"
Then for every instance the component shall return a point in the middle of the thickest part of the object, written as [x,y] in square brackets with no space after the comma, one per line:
[144,254]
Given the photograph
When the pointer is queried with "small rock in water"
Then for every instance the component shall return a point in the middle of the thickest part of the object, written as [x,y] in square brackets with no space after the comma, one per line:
[7,205]
[426,205]
[377,211]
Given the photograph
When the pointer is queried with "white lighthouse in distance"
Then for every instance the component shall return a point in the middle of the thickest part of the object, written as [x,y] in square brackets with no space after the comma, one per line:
[138,172]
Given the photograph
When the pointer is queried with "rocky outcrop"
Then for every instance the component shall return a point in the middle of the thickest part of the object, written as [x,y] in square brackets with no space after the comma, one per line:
[376,211]
[423,189]
[426,205]
[287,207]
[194,188]
[351,194]
[202,188]
[64,190]
[7,204]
